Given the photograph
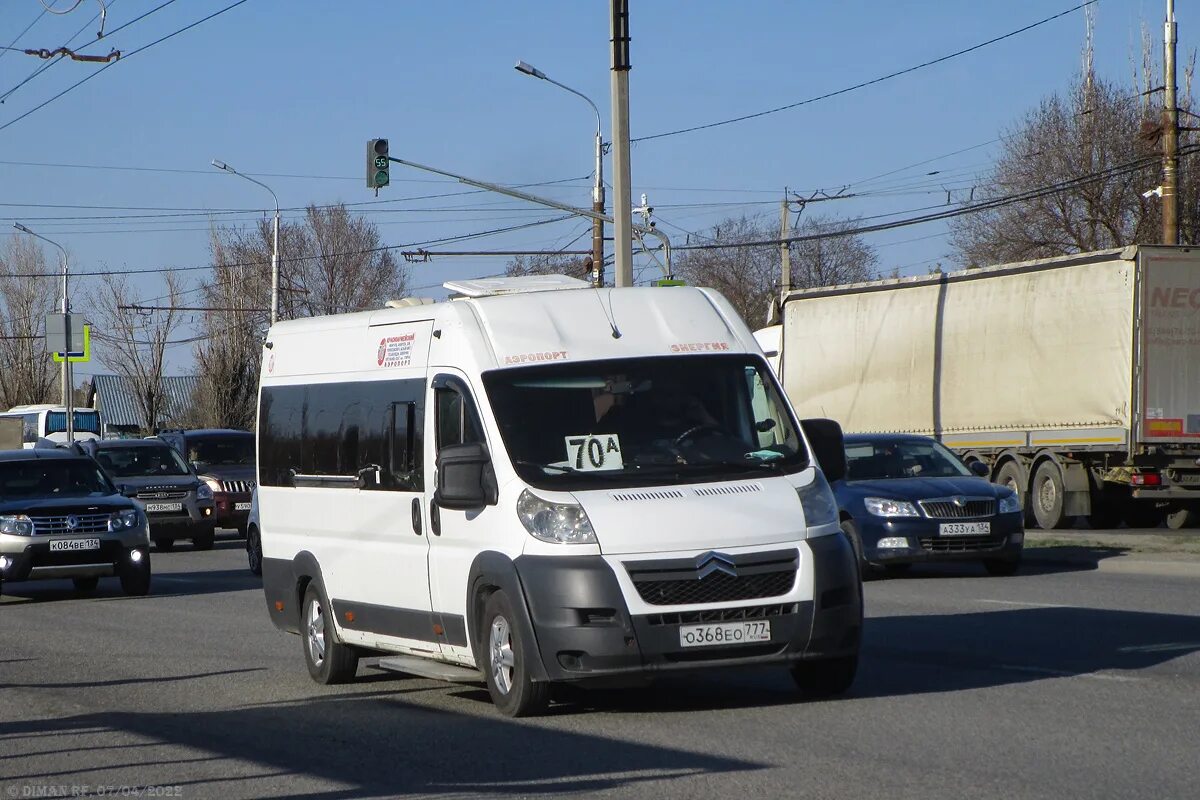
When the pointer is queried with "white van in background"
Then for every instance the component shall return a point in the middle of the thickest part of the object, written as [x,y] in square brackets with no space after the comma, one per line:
[539,481]
[48,421]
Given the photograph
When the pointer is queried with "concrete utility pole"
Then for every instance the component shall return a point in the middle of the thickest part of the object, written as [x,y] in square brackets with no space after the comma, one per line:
[785,248]
[598,183]
[1170,124]
[68,380]
[622,203]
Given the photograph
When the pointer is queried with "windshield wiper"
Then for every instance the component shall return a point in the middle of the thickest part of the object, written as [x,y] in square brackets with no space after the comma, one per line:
[555,467]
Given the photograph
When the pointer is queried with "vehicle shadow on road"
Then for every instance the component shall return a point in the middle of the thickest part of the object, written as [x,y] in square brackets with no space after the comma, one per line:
[155,680]
[409,750]
[1037,561]
[928,653]
[162,584]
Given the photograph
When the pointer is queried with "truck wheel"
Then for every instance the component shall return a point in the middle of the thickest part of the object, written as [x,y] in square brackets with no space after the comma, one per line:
[825,678]
[1104,516]
[86,585]
[1180,517]
[328,660]
[1047,496]
[506,662]
[1141,514]
[1012,477]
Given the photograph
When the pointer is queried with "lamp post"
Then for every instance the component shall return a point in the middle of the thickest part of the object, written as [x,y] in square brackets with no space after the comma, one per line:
[598,185]
[274,237]
[68,399]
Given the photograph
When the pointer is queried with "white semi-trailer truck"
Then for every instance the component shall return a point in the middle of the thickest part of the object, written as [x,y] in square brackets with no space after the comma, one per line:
[1075,379]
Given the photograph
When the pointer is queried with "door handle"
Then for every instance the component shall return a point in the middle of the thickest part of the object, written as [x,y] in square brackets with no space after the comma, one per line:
[416,515]
[435,519]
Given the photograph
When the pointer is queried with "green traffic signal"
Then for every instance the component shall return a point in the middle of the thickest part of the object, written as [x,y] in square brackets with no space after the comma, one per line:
[377,163]
[381,178]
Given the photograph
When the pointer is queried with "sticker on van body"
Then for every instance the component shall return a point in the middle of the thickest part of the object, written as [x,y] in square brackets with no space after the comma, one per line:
[594,452]
[396,351]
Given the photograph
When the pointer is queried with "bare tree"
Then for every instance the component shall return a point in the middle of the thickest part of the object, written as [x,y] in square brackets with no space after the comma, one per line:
[330,263]
[749,276]
[542,264]
[1098,129]
[135,342]
[28,373]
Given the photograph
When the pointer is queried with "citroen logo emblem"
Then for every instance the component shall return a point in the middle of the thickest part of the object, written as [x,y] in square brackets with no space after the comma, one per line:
[72,522]
[710,562]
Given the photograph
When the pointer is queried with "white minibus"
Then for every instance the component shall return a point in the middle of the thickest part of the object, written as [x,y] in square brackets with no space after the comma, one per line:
[48,421]
[537,482]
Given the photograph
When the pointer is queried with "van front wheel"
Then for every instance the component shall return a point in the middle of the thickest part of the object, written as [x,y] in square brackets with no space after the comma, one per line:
[506,662]
[328,660]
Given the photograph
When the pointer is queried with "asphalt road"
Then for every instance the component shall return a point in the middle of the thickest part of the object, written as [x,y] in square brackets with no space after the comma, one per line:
[1057,683]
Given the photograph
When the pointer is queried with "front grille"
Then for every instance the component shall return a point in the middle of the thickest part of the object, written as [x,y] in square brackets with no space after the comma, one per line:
[85,524]
[237,487]
[161,495]
[722,614]
[695,581]
[960,508]
[966,544]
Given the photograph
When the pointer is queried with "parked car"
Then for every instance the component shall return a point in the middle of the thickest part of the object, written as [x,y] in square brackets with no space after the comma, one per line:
[176,502]
[907,499]
[254,554]
[224,459]
[62,517]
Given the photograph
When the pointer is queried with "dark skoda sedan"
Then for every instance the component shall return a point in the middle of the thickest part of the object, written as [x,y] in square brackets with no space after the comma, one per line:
[907,499]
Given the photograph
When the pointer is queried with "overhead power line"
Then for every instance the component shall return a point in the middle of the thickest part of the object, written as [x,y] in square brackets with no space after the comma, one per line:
[864,84]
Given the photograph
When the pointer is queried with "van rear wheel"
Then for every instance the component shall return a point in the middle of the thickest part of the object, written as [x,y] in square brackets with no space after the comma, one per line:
[506,662]
[328,660]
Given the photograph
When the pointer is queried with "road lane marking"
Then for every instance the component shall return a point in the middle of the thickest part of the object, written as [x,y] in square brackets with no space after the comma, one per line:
[1062,673]
[1165,647]
[1026,605]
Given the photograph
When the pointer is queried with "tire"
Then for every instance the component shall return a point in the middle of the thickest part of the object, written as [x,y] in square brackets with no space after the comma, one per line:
[1104,516]
[1013,477]
[135,578]
[86,585]
[1002,567]
[1180,517]
[825,678]
[1047,497]
[328,660]
[851,532]
[506,661]
[164,545]
[254,554]
[242,531]
[204,540]
[1141,514]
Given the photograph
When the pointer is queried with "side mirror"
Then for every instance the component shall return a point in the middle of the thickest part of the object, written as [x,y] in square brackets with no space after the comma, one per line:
[465,478]
[825,438]
[979,468]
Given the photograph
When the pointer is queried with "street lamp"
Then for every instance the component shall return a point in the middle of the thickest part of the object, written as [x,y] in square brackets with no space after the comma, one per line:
[598,187]
[67,378]
[274,237]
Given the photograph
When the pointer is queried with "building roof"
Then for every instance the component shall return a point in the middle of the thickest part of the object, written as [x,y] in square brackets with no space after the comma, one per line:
[113,397]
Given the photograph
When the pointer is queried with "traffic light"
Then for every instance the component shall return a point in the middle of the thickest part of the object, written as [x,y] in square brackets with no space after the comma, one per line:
[377,163]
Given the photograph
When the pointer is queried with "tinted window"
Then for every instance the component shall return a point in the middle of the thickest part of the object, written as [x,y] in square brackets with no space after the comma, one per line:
[221,451]
[457,421]
[86,421]
[52,478]
[141,462]
[914,458]
[338,429]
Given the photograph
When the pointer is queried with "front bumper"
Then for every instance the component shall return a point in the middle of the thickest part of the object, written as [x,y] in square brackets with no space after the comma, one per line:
[585,632]
[225,513]
[25,558]
[196,517]
[1004,542]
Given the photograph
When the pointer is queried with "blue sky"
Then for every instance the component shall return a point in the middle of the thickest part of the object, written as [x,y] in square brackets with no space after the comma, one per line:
[296,88]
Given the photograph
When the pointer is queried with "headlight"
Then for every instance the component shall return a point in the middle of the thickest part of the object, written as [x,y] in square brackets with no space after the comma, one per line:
[120,520]
[213,484]
[19,524]
[883,507]
[203,492]
[1010,504]
[818,502]
[558,523]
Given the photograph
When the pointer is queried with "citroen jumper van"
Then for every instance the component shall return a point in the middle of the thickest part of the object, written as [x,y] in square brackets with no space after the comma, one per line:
[539,482]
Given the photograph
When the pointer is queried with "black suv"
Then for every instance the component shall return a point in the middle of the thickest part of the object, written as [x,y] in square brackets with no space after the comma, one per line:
[178,504]
[224,459]
[61,517]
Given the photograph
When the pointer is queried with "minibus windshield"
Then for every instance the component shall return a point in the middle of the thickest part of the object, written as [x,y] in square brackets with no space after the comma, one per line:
[628,422]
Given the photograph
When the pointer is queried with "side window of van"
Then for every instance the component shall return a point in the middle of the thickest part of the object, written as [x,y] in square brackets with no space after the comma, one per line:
[457,421]
[31,432]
